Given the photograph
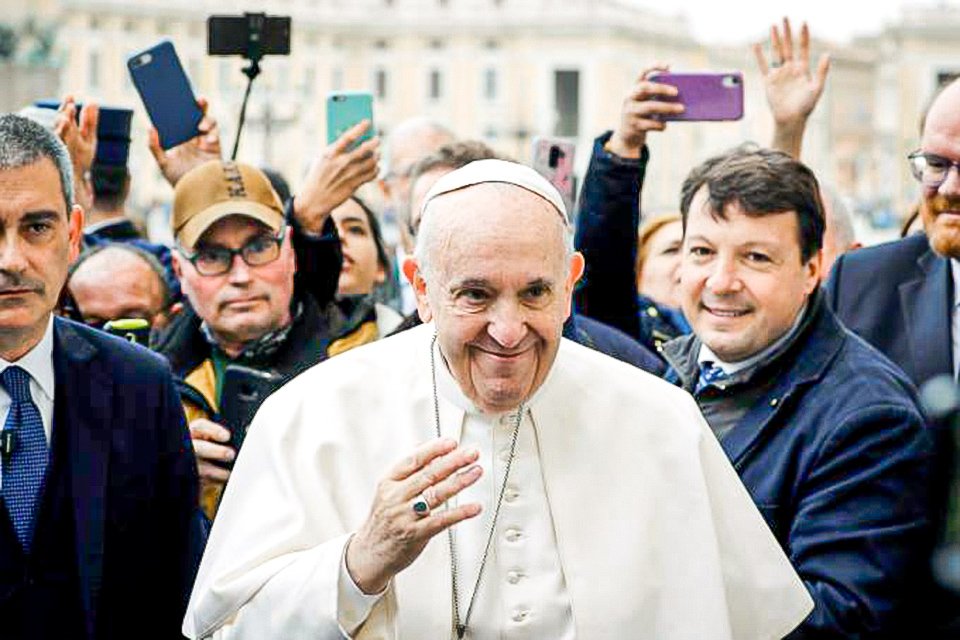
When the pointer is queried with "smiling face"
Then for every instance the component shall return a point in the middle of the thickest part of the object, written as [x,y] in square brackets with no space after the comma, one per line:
[742,279]
[247,302]
[361,270]
[940,208]
[498,285]
[38,240]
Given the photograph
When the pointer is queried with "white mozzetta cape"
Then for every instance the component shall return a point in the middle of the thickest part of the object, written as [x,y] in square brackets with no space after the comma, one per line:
[657,536]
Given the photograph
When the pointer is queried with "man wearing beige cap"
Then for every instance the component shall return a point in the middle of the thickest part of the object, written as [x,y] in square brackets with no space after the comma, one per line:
[481,477]
[247,327]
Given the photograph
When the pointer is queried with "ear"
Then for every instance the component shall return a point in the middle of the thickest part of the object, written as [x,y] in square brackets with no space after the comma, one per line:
[75,231]
[814,268]
[575,272]
[411,270]
[175,258]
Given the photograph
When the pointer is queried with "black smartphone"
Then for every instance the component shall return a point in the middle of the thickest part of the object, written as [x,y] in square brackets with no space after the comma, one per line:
[165,90]
[249,35]
[244,390]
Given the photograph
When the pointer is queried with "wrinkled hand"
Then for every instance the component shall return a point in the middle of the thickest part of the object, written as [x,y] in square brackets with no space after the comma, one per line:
[175,162]
[640,112]
[335,175]
[393,535]
[81,139]
[792,91]
[206,435]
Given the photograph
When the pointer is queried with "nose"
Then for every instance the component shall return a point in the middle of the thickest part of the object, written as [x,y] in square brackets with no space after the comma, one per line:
[951,184]
[12,257]
[239,271]
[723,278]
[508,324]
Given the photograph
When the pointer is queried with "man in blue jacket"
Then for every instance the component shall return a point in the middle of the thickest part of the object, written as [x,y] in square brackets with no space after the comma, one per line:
[824,430]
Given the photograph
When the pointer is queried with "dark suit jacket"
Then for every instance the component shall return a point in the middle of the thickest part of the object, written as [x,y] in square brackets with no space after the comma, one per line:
[898,297]
[134,483]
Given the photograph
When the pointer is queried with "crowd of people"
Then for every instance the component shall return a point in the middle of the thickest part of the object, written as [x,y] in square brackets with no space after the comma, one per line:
[521,421]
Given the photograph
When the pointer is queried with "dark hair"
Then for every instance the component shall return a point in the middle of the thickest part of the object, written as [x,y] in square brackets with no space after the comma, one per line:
[24,142]
[761,182]
[278,182]
[377,234]
[146,256]
[110,184]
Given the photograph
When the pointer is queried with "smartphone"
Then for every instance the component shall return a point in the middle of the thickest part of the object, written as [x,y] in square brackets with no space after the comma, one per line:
[553,159]
[705,96]
[136,330]
[165,90]
[240,35]
[244,390]
[345,109]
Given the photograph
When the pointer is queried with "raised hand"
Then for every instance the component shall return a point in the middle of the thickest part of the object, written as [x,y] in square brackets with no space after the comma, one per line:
[81,142]
[335,175]
[792,89]
[175,162]
[640,112]
[394,535]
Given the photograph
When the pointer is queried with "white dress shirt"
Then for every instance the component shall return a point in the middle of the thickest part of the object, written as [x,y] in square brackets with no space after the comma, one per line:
[38,362]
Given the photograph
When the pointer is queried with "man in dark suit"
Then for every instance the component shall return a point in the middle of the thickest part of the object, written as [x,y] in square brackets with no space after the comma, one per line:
[98,526]
[900,296]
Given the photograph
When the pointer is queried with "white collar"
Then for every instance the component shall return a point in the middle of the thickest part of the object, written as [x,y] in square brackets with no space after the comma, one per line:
[730,368]
[38,362]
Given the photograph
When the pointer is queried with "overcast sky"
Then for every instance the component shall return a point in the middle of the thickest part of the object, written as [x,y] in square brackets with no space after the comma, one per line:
[742,20]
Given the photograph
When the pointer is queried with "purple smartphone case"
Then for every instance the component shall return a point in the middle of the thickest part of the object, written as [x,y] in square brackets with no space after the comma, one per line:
[706,96]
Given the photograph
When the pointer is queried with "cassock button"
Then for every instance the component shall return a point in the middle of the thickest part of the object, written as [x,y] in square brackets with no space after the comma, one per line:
[512,535]
[511,494]
[514,576]
[520,615]
[504,455]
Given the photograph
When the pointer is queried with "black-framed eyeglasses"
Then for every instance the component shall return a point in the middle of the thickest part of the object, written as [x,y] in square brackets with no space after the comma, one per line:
[215,261]
[930,169]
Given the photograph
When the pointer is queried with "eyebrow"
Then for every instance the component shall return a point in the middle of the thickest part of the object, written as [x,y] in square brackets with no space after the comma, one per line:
[469,282]
[352,219]
[42,215]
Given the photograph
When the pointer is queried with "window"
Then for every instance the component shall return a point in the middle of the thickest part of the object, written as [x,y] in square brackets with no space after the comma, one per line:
[93,71]
[436,85]
[309,78]
[490,84]
[336,79]
[380,84]
[566,93]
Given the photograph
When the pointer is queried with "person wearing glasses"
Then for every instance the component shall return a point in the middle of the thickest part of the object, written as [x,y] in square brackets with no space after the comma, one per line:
[902,296]
[254,299]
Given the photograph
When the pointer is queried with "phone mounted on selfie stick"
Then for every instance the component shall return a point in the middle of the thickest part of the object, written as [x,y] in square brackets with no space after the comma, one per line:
[252,36]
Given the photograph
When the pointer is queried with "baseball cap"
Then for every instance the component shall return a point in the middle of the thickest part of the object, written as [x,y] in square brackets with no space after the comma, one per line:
[217,189]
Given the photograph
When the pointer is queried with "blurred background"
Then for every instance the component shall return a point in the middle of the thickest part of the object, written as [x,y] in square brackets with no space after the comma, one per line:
[505,71]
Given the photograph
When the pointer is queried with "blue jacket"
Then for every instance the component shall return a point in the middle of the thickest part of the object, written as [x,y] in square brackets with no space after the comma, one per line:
[609,214]
[838,459]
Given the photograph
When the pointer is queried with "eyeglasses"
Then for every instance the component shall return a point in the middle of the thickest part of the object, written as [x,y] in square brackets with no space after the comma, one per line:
[930,169]
[216,261]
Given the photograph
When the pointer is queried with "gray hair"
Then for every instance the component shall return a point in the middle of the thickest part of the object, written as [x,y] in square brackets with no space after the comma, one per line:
[24,142]
[428,234]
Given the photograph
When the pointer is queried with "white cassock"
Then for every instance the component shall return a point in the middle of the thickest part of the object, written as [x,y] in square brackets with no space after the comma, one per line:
[622,516]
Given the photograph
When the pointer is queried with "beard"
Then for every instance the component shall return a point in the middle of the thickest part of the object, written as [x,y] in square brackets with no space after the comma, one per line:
[942,229]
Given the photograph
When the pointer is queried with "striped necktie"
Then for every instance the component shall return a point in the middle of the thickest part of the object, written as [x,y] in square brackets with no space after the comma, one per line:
[710,374]
[25,466]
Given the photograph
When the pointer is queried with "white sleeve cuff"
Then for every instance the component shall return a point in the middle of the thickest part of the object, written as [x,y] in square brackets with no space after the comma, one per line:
[353,605]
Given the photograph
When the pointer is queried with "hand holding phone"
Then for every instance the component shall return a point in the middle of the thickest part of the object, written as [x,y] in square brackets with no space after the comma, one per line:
[165,90]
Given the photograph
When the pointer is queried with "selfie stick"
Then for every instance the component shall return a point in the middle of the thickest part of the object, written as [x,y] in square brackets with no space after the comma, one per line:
[254,55]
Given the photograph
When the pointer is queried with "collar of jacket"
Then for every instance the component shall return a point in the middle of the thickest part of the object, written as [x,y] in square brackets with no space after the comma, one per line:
[803,360]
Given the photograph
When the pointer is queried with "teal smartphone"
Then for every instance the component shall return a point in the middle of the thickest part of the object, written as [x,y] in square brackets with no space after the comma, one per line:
[345,109]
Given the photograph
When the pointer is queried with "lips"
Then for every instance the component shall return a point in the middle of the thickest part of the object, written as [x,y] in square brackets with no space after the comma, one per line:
[726,312]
